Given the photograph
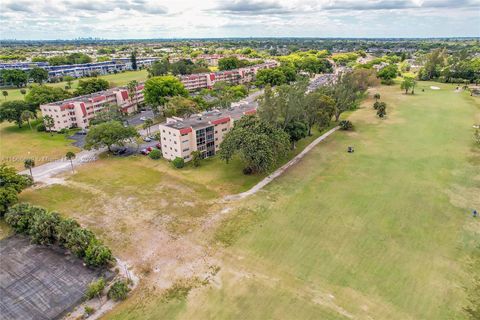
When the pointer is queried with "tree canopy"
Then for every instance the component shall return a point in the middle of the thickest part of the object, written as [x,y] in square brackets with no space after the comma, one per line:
[158,89]
[91,86]
[12,111]
[38,95]
[108,134]
[260,145]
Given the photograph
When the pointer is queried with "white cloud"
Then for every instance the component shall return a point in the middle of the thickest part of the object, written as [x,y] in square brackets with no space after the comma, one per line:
[60,19]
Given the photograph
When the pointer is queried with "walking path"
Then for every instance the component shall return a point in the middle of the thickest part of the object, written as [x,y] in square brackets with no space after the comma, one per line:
[282,169]
[45,172]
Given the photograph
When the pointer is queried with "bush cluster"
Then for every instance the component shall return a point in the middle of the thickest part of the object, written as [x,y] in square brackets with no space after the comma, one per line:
[178,163]
[50,228]
[155,154]
[118,291]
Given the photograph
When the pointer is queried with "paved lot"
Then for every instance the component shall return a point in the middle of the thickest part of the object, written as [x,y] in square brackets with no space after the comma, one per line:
[37,282]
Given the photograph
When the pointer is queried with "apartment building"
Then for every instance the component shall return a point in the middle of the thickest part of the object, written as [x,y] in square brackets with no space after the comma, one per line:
[201,132]
[77,112]
[236,76]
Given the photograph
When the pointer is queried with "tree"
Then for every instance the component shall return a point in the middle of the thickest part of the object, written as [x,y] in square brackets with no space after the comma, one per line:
[433,64]
[8,197]
[273,77]
[159,68]
[147,124]
[155,154]
[20,217]
[319,108]
[64,228]
[43,228]
[133,59]
[178,162]
[95,288]
[15,77]
[29,164]
[382,110]
[388,73]
[69,80]
[132,91]
[346,125]
[12,111]
[38,75]
[228,63]
[9,178]
[45,94]
[118,291]
[108,134]
[407,84]
[5,94]
[91,86]
[23,92]
[49,123]
[196,157]
[260,145]
[296,130]
[70,156]
[26,116]
[78,241]
[97,255]
[158,89]
[376,96]
[180,107]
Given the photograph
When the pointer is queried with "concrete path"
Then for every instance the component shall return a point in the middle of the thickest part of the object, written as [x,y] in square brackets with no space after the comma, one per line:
[282,169]
[45,172]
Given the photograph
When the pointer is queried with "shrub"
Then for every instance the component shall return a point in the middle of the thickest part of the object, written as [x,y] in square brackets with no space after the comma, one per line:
[43,227]
[376,105]
[20,217]
[178,163]
[78,241]
[89,311]
[346,125]
[118,291]
[155,154]
[41,127]
[97,255]
[8,197]
[64,228]
[196,157]
[95,288]
[63,131]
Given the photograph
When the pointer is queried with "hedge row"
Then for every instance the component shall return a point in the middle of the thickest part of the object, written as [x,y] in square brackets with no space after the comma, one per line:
[50,228]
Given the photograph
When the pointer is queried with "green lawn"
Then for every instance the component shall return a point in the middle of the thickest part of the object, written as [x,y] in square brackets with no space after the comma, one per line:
[383,233]
[119,79]
[16,144]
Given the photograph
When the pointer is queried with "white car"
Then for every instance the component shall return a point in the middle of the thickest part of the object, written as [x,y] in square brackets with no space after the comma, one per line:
[147,139]
[143,118]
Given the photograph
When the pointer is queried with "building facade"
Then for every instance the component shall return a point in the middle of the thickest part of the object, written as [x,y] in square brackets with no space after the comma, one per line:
[202,132]
[77,112]
[200,81]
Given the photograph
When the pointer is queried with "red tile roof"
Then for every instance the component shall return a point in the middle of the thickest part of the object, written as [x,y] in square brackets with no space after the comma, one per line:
[99,98]
[185,130]
[250,112]
[221,120]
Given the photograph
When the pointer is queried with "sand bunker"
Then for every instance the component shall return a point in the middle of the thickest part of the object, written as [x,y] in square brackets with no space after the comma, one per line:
[434,88]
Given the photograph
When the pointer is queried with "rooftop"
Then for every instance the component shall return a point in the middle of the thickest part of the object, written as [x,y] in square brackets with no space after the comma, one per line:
[208,118]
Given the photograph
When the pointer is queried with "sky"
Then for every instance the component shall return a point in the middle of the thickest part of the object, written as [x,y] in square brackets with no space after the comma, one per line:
[140,19]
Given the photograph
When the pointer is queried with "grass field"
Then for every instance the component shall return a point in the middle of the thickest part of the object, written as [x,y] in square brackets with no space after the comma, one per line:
[119,79]
[384,233]
[17,144]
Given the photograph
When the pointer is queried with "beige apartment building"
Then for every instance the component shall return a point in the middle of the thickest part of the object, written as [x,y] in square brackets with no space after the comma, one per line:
[203,132]
[77,112]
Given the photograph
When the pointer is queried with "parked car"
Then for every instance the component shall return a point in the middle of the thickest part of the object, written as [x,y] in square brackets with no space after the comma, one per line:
[147,139]
[146,151]
[82,132]
[143,118]
[158,146]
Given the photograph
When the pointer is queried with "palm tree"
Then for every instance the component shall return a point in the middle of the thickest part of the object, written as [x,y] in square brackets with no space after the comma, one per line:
[70,156]
[29,164]
[49,123]
[132,91]
[376,96]
[5,94]
[26,116]
[147,124]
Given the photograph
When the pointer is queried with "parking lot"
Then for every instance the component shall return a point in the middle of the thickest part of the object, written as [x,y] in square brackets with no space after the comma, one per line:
[39,283]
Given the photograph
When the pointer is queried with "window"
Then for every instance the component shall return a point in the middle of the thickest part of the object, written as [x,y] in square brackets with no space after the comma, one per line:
[185,150]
